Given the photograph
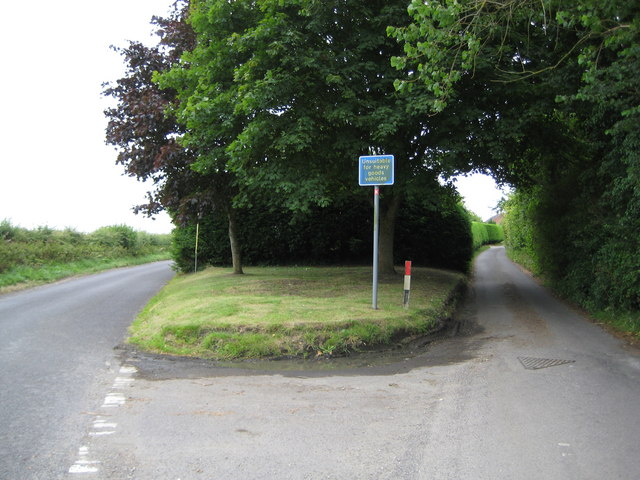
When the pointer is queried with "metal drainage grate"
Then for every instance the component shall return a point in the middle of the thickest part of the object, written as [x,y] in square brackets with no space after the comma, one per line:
[531,363]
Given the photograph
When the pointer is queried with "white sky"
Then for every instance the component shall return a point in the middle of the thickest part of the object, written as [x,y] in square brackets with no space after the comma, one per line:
[55,168]
[481,194]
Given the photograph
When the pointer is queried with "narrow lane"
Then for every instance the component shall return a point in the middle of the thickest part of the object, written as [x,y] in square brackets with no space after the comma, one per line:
[56,355]
[574,418]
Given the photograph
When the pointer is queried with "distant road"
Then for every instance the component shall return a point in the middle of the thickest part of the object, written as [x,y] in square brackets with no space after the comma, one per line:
[56,356]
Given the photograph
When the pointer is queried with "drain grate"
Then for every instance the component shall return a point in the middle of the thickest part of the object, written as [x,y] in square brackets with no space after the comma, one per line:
[531,363]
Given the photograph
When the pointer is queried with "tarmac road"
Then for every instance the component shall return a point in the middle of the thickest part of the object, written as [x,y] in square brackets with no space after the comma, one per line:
[56,361]
[532,391]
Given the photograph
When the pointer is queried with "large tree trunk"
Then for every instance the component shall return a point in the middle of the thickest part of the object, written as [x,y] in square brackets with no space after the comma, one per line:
[388,215]
[236,254]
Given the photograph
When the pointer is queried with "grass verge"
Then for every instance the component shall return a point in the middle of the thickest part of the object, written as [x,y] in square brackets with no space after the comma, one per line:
[25,276]
[626,324]
[276,312]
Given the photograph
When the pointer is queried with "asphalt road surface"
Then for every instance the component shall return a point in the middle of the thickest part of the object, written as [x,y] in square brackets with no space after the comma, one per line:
[56,361]
[533,391]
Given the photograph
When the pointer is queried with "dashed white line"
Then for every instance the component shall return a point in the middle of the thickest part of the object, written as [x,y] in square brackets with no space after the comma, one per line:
[122,382]
[102,434]
[76,468]
[128,370]
[101,423]
[114,400]
[101,427]
[83,464]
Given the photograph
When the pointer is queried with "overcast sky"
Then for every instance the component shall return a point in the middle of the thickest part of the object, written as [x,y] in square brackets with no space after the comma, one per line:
[55,168]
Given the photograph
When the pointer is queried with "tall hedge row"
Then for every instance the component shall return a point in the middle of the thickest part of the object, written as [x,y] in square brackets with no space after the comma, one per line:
[579,243]
[486,233]
[430,234]
[44,246]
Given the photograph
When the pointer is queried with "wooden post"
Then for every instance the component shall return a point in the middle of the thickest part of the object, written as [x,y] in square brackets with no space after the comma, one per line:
[195,266]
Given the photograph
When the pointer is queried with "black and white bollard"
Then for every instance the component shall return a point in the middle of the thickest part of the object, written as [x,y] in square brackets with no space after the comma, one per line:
[407,282]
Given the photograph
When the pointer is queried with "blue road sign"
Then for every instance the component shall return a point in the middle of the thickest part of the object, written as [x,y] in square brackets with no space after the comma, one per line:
[376,170]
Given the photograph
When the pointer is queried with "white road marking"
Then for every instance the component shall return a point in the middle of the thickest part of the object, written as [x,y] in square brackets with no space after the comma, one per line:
[101,423]
[114,400]
[75,468]
[101,427]
[83,465]
[101,434]
[122,382]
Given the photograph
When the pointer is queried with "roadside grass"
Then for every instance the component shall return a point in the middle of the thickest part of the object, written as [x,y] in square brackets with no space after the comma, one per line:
[621,323]
[30,257]
[27,276]
[275,312]
[523,259]
[626,323]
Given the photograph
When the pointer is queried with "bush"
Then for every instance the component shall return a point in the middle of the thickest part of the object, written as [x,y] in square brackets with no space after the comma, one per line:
[485,234]
[270,236]
[584,244]
[46,246]
[430,231]
[117,236]
[8,232]
[435,235]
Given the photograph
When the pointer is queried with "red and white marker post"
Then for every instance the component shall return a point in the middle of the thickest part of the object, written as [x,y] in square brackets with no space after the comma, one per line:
[407,282]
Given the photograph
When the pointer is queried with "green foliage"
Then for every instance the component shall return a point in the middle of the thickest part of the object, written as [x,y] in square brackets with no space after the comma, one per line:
[449,39]
[128,240]
[116,236]
[213,244]
[622,321]
[9,232]
[577,242]
[485,234]
[336,234]
[431,230]
[279,99]
[479,234]
[447,44]
[495,232]
[545,95]
[519,229]
[434,232]
[43,254]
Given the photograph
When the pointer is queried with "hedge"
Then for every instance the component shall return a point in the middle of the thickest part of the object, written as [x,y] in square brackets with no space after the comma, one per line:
[485,234]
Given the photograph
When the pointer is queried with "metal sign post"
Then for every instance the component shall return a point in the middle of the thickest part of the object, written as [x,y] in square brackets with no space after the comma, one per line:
[376,237]
[376,170]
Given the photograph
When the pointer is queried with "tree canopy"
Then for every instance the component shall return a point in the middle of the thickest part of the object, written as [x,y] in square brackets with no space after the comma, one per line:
[546,95]
[546,59]
[285,95]
[147,133]
[249,108]
[262,108]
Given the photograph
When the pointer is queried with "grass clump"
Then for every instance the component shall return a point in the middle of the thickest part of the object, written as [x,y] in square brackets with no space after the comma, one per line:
[289,312]
[627,323]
